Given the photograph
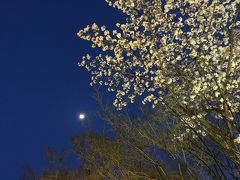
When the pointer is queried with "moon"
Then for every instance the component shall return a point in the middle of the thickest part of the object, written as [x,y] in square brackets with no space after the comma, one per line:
[81,116]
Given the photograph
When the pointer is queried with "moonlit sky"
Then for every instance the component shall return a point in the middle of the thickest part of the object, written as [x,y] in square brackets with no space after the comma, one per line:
[42,90]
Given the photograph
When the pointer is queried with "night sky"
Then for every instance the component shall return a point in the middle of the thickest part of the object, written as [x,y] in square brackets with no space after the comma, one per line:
[42,90]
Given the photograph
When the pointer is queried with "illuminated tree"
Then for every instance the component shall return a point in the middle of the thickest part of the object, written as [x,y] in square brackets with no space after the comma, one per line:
[178,54]
[158,131]
[131,148]
[126,152]
[149,144]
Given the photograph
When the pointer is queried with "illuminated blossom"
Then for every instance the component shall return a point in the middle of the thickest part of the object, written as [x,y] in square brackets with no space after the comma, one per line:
[184,54]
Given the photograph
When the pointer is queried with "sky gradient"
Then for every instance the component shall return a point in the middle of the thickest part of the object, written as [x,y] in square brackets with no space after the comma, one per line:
[42,89]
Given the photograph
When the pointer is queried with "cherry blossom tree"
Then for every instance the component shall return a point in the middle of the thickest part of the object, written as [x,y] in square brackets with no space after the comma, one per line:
[183,55]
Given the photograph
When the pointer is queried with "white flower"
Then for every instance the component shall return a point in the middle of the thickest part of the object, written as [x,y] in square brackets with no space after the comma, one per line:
[217,94]
[119,35]
[237,140]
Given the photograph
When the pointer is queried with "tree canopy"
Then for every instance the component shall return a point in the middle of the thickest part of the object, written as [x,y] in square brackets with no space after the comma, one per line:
[183,55]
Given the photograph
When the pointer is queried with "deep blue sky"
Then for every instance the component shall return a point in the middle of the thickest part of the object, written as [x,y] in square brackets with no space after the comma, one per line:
[41,88]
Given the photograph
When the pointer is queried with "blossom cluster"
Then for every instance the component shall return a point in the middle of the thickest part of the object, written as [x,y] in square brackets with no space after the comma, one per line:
[184,50]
